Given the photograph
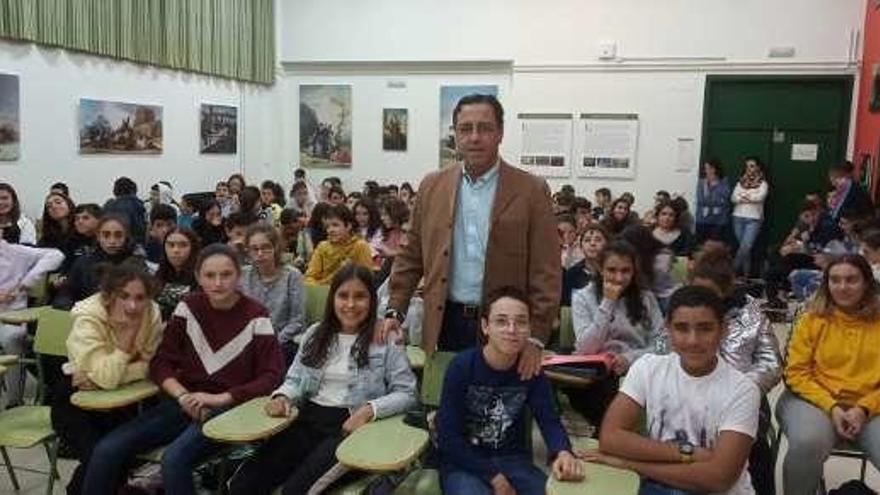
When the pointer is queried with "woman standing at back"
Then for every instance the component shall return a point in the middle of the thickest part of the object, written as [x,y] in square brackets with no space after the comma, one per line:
[748,200]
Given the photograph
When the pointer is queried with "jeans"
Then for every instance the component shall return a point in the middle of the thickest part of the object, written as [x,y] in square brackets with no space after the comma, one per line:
[811,437]
[296,457]
[165,423]
[13,339]
[649,487]
[746,231]
[519,470]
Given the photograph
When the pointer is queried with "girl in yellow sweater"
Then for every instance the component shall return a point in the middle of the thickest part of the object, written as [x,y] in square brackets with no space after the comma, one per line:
[832,374]
[340,247]
[115,333]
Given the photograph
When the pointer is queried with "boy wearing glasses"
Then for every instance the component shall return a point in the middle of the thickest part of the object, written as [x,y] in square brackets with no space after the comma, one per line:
[482,421]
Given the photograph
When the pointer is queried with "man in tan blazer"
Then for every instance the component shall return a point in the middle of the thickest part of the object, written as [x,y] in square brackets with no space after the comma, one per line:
[478,226]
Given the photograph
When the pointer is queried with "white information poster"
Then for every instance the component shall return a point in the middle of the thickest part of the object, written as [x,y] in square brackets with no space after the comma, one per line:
[801,152]
[546,143]
[605,145]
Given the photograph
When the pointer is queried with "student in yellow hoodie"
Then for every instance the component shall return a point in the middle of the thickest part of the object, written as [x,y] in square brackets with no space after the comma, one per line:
[115,333]
[341,246]
[832,374]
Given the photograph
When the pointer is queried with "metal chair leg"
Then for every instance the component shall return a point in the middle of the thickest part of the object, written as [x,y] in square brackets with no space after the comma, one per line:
[9,468]
[51,447]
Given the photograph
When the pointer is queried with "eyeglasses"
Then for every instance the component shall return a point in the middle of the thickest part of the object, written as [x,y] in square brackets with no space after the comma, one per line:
[519,325]
[480,127]
[261,249]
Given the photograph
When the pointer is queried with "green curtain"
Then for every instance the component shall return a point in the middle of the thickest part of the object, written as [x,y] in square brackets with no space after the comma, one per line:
[228,38]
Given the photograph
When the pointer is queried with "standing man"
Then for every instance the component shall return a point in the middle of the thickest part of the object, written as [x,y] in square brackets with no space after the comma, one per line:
[477,226]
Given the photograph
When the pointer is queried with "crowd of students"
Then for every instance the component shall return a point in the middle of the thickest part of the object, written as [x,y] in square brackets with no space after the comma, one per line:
[204,295]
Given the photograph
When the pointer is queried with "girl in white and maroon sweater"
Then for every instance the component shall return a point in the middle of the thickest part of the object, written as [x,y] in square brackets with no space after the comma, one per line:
[218,350]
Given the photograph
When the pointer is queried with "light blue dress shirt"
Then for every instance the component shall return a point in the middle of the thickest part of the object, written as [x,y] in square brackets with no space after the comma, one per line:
[473,211]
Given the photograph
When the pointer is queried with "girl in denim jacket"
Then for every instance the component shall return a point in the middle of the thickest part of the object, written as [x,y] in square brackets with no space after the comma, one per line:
[340,381]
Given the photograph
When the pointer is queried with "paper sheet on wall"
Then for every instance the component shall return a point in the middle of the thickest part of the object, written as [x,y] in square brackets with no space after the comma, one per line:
[801,152]
[605,145]
[687,155]
[546,143]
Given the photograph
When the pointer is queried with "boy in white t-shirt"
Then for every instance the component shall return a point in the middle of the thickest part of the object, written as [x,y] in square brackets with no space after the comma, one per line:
[701,413]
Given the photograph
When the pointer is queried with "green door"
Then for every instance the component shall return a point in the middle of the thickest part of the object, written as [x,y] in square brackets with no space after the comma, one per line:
[797,125]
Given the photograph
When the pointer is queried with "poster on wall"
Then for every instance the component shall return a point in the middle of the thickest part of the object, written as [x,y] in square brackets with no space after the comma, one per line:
[394,129]
[605,145]
[546,143]
[117,127]
[449,96]
[218,129]
[325,125]
[9,119]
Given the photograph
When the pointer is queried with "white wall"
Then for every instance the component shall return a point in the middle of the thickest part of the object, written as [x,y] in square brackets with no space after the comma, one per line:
[544,55]
[51,82]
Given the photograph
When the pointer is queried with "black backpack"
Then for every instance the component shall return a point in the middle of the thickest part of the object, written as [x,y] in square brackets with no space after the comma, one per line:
[853,487]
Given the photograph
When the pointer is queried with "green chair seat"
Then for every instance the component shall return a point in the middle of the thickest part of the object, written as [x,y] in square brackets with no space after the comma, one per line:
[315,300]
[125,395]
[25,426]
[420,482]
[246,422]
[21,316]
[599,479]
[416,357]
[7,359]
[383,445]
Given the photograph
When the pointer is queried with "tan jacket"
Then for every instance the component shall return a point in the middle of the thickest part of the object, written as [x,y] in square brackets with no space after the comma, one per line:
[91,345]
[522,251]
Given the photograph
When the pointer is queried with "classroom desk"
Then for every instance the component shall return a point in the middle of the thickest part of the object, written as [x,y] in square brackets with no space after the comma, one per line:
[247,422]
[21,316]
[599,479]
[416,357]
[384,445]
[104,400]
[9,359]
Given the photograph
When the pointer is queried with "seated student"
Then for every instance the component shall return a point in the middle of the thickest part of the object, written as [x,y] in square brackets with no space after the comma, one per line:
[571,253]
[12,220]
[316,228]
[176,274]
[484,406]
[832,375]
[649,218]
[115,333]
[701,413]
[277,286]
[870,247]
[300,199]
[295,240]
[341,246]
[223,198]
[187,212]
[582,210]
[592,242]
[235,227]
[602,203]
[613,315]
[813,230]
[57,225]
[749,345]
[270,203]
[163,218]
[21,267]
[115,246]
[336,195]
[394,214]
[129,207]
[218,350]
[618,217]
[209,224]
[340,380]
[368,224]
[85,224]
[655,263]
[669,232]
